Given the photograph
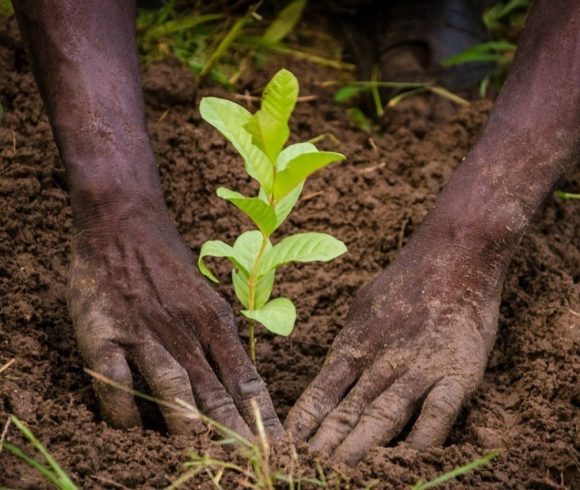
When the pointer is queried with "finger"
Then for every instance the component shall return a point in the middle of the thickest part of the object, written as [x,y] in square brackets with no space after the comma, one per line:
[213,399]
[241,380]
[343,419]
[438,414]
[101,354]
[118,407]
[168,381]
[382,420]
[322,395]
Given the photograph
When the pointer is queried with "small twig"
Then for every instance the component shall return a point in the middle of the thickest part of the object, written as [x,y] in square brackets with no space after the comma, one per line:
[4,433]
[7,365]
[372,168]
[402,233]
[108,481]
[163,116]
[312,195]
[373,145]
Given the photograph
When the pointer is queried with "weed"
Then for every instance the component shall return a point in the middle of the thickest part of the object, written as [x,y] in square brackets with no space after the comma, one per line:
[566,195]
[6,9]
[281,172]
[219,46]
[349,89]
[457,472]
[253,468]
[51,471]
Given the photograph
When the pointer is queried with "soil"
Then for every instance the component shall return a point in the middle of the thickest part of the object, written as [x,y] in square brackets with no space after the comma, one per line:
[527,404]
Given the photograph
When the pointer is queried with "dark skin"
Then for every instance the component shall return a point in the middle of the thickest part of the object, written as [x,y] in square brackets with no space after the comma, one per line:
[417,338]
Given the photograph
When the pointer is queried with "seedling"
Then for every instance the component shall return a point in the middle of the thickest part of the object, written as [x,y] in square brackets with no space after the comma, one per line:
[281,171]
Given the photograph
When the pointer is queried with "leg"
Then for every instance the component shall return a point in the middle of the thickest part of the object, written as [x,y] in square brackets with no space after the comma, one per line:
[134,293]
[418,337]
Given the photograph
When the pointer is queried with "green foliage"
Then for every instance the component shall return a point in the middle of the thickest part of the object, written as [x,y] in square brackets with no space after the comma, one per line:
[350,89]
[457,472]
[223,44]
[281,172]
[566,195]
[6,9]
[484,52]
[53,473]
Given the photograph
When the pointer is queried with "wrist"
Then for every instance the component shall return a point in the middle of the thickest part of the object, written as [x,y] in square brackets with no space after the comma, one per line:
[105,207]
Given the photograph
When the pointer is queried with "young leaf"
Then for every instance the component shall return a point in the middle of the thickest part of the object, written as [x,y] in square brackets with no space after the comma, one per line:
[280,95]
[255,208]
[247,247]
[240,282]
[229,119]
[300,168]
[217,248]
[291,152]
[302,247]
[278,316]
[285,22]
[285,205]
[269,126]
[268,134]
[263,288]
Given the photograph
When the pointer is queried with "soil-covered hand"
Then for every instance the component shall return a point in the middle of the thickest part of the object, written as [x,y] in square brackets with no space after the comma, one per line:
[136,300]
[416,340]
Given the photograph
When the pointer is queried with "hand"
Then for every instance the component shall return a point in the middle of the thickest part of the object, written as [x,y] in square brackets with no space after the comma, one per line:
[416,339]
[135,297]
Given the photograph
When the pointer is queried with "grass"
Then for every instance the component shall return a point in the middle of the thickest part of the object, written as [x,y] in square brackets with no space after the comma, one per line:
[224,46]
[566,195]
[504,20]
[250,466]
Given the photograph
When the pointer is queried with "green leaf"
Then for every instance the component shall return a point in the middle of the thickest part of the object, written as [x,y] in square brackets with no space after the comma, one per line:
[255,208]
[280,95]
[299,168]
[291,152]
[54,473]
[484,52]
[346,93]
[247,247]
[285,22]
[268,133]
[240,282]
[278,316]
[217,248]
[285,205]
[264,287]
[229,119]
[302,247]
[269,126]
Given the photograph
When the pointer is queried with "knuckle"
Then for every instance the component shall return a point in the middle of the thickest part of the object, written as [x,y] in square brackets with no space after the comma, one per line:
[221,313]
[385,411]
[250,387]
[345,415]
[175,379]
[219,403]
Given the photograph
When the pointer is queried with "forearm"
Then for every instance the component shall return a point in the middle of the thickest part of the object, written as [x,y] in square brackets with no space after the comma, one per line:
[529,141]
[85,63]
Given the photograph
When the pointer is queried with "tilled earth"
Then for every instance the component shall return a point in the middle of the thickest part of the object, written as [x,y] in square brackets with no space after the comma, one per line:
[527,404]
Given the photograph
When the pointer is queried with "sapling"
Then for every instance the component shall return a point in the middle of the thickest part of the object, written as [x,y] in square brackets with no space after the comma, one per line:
[281,171]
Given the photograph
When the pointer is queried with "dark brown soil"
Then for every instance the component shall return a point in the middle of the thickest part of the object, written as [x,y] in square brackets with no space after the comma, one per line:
[527,404]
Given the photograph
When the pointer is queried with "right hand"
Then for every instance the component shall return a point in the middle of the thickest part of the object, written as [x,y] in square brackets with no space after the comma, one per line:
[135,295]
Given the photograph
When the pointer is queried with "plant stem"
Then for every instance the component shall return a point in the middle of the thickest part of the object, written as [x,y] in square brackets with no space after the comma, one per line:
[252,296]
